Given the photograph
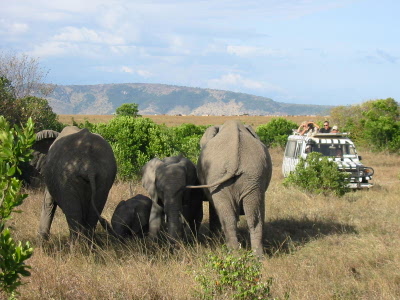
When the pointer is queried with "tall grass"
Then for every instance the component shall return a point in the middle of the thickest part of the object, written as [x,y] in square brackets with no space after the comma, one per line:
[316,247]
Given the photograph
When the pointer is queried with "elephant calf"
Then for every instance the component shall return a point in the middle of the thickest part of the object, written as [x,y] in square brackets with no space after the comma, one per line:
[131,218]
[165,181]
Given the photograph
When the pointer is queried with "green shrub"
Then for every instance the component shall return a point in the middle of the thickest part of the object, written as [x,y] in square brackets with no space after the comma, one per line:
[318,175]
[15,147]
[17,111]
[135,141]
[186,140]
[374,124]
[276,132]
[233,274]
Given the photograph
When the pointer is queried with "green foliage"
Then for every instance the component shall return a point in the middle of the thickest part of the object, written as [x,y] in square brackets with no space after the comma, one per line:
[276,132]
[40,111]
[17,111]
[135,141]
[374,124]
[318,175]
[15,147]
[128,110]
[186,140]
[236,274]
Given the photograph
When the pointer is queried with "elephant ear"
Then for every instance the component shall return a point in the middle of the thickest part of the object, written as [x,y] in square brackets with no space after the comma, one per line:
[252,131]
[208,135]
[149,177]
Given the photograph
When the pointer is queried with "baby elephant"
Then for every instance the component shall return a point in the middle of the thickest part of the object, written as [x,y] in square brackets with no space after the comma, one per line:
[131,218]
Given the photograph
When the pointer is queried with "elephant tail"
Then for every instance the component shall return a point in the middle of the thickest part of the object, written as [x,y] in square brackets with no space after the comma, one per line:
[226,177]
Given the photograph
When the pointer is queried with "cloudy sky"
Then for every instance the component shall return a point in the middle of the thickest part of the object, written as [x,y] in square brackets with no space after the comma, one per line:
[297,51]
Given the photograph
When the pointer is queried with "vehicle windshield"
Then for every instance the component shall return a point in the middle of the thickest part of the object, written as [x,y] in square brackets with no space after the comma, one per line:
[338,150]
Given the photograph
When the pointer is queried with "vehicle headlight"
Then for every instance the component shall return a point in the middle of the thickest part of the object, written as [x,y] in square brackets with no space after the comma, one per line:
[368,171]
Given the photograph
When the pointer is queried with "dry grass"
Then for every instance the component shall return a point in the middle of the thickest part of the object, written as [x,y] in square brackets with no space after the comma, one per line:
[197,120]
[317,248]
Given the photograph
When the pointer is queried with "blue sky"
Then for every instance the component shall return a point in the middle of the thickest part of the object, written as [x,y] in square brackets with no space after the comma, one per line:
[306,51]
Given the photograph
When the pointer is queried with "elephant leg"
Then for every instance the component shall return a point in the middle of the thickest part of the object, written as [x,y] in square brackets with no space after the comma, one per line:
[155,219]
[254,209]
[215,224]
[47,215]
[228,218]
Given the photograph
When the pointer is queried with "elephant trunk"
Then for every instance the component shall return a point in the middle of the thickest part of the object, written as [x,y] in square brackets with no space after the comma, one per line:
[107,227]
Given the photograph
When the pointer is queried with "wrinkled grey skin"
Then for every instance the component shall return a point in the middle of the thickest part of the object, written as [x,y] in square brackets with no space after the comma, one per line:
[235,169]
[165,181]
[80,170]
[131,218]
[32,171]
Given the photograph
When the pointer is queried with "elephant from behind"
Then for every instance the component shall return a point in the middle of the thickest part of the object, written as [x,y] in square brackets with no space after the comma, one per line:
[79,172]
[235,169]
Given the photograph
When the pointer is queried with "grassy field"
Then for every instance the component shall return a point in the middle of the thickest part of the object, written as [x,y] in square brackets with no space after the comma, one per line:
[197,120]
[316,247]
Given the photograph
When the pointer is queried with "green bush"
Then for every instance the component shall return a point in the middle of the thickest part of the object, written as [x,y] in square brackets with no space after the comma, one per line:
[318,175]
[276,132]
[17,111]
[135,141]
[15,147]
[374,124]
[234,274]
[186,140]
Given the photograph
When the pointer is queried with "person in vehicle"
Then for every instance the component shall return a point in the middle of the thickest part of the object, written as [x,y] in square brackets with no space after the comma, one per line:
[309,127]
[326,128]
[335,129]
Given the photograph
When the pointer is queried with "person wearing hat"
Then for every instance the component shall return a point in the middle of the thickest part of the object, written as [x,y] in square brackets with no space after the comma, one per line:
[334,129]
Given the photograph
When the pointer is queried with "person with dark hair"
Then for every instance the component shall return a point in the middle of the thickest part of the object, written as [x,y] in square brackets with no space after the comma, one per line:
[308,127]
[326,128]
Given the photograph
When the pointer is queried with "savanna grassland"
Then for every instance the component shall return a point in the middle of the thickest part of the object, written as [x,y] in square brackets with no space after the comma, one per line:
[317,247]
[197,120]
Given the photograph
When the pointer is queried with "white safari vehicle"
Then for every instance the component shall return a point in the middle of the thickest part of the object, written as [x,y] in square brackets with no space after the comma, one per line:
[337,146]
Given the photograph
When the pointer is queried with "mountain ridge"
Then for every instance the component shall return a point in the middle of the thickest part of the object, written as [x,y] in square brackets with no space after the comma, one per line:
[171,100]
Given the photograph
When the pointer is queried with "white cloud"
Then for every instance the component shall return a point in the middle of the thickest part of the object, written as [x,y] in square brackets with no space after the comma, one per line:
[144,73]
[73,34]
[12,28]
[246,51]
[235,80]
[126,69]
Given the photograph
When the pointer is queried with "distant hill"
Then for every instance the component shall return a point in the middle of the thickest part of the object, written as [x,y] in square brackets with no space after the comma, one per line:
[171,100]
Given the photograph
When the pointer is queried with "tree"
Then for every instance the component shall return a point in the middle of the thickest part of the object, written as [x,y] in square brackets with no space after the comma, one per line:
[276,132]
[17,111]
[15,147]
[128,110]
[24,74]
[374,124]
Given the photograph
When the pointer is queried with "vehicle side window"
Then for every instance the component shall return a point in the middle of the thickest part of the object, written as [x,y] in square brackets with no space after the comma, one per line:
[298,149]
[290,148]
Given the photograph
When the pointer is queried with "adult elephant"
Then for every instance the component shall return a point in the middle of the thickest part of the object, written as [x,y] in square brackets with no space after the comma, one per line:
[131,218]
[32,171]
[165,181]
[79,172]
[235,169]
